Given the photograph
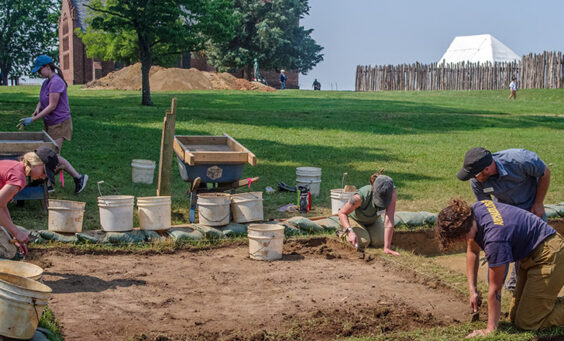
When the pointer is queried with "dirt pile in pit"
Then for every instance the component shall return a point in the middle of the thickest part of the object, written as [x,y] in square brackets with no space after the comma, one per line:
[174,79]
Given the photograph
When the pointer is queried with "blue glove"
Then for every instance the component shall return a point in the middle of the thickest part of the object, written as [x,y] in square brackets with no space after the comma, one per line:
[24,122]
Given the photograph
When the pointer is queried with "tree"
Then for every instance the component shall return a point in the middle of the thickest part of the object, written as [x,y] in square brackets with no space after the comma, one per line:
[28,28]
[154,30]
[269,31]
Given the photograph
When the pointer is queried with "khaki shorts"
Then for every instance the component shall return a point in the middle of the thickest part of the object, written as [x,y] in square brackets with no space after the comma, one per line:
[7,250]
[60,130]
[372,235]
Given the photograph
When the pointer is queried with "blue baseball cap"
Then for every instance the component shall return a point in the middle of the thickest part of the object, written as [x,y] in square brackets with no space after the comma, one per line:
[41,61]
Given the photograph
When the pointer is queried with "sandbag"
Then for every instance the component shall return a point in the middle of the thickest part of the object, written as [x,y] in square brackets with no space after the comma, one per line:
[429,218]
[305,225]
[551,212]
[559,208]
[184,234]
[93,236]
[290,230]
[234,229]
[131,237]
[58,237]
[153,236]
[209,232]
[330,223]
[409,219]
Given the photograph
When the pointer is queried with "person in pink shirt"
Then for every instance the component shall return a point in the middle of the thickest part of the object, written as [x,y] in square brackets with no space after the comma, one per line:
[53,108]
[40,164]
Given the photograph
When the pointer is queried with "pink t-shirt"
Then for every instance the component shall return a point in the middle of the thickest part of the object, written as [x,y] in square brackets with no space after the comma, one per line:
[62,110]
[12,173]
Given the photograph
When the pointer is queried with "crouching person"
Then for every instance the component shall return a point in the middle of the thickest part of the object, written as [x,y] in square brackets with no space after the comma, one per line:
[508,234]
[365,208]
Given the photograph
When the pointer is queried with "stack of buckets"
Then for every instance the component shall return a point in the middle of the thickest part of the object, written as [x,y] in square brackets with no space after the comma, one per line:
[310,176]
[22,299]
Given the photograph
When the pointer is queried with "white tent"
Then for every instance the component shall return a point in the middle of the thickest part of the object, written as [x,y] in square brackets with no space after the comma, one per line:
[479,48]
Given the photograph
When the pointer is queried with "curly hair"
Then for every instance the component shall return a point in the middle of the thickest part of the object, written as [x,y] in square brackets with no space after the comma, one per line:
[454,222]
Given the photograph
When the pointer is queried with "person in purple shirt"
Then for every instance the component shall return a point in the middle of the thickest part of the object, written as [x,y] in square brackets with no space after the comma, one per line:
[53,108]
[508,234]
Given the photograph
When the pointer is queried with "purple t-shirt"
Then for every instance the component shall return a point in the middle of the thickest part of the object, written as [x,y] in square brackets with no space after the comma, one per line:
[507,233]
[62,111]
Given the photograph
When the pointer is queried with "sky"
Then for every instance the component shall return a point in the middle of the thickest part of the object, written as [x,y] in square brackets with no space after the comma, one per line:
[374,32]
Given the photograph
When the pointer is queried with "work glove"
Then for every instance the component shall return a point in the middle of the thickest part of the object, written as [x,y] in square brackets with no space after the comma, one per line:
[24,122]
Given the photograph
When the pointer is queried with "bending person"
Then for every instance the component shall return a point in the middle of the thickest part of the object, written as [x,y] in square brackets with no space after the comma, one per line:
[365,208]
[53,108]
[507,234]
[37,165]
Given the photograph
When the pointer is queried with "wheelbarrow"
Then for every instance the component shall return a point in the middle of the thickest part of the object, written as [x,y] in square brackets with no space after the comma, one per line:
[211,164]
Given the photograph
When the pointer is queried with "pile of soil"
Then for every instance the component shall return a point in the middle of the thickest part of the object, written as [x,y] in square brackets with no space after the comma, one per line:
[174,79]
[319,290]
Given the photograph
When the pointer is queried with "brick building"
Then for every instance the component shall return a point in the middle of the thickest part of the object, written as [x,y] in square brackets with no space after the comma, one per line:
[76,67]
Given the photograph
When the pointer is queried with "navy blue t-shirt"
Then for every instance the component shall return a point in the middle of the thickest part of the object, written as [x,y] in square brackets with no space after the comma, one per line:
[507,233]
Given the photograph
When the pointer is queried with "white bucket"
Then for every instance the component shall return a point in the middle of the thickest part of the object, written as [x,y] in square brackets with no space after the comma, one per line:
[65,216]
[310,176]
[116,212]
[142,171]
[265,241]
[213,209]
[247,207]
[22,302]
[338,199]
[22,269]
[154,212]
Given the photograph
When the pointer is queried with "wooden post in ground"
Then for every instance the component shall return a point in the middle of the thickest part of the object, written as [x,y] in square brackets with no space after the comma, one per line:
[165,162]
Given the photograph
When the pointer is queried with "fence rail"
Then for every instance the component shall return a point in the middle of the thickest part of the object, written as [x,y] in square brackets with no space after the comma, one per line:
[544,70]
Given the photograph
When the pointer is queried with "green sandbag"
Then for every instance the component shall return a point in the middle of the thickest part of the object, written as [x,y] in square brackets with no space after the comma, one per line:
[184,234]
[551,213]
[410,219]
[429,218]
[131,237]
[93,236]
[209,232]
[559,208]
[58,237]
[290,230]
[234,229]
[305,225]
[153,236]
[330,223]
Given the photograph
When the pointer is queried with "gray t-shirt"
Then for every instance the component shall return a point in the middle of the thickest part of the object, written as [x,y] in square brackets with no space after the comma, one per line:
[516,181]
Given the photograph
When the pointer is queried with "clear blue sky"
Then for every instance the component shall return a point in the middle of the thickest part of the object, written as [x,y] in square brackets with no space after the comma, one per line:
[373,32]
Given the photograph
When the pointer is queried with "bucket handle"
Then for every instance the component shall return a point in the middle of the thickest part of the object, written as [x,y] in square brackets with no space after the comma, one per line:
[226,216]
[100,191]
[265,246]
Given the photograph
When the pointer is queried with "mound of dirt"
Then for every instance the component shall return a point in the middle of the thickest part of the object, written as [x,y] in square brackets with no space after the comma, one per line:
[174,79]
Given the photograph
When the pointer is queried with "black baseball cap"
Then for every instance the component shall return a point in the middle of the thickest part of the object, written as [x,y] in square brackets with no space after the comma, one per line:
[50,159]
[475,160]
[383,190]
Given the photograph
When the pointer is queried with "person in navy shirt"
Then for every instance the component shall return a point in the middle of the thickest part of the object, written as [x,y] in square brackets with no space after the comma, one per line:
[508,234]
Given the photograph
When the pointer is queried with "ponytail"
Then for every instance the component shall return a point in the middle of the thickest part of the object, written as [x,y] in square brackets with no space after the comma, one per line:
[30,160]
[58,71]
[375,175]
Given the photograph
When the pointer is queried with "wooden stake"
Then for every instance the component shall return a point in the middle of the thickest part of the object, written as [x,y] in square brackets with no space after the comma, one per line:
[165,163]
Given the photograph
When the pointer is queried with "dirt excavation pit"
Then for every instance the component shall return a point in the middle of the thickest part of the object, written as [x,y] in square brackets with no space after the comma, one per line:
[319,290]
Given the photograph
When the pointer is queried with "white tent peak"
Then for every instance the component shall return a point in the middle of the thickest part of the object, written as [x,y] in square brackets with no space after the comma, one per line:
[480,48]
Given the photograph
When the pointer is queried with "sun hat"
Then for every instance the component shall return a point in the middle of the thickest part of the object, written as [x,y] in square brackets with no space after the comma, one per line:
[41,61]
[383,189]
[475,160]
[50,159]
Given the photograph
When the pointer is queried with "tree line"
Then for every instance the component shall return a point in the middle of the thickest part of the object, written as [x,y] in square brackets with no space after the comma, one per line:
[233,33]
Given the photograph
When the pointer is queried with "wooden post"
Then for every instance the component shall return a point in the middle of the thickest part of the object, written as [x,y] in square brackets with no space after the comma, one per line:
[165,163]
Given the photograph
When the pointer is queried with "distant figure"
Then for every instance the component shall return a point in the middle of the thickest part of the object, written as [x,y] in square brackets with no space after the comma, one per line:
[316,85]
[283,79]
[513,87]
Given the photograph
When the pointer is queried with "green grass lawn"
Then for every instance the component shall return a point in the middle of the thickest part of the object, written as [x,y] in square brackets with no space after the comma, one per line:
[419,138]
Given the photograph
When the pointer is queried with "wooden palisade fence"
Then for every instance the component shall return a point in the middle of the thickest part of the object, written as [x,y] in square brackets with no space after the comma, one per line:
[544,70]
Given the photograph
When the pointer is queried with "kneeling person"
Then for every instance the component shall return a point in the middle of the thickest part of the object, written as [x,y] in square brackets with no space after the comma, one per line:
[365,208]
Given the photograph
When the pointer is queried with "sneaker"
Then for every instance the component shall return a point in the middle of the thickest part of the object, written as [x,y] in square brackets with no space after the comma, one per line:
[50,188]
[80,183]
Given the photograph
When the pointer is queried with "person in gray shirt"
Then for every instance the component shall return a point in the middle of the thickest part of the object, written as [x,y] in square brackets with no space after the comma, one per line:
[517,177]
